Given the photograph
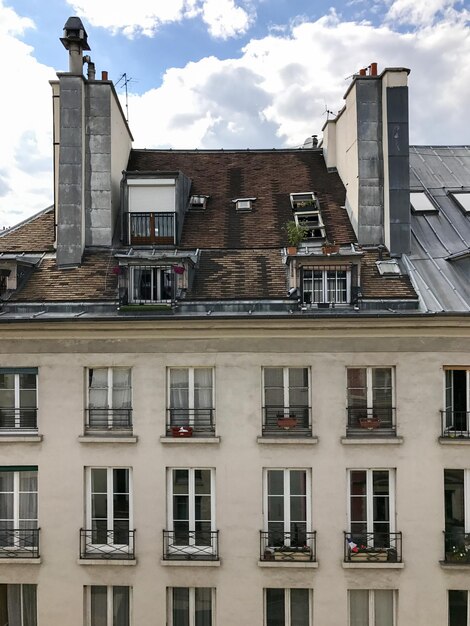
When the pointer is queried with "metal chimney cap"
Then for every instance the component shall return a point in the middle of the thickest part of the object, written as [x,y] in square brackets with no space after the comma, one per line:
[74,32]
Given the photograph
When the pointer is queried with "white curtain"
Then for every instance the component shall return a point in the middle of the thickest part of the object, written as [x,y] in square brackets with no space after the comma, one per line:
[14,605]
[383,607]
[359,607]
[120,606]
[121,388]
[29,605]
[203,388]
[180,606]
[98,388]
[203,606]
[99,606]
[179,388]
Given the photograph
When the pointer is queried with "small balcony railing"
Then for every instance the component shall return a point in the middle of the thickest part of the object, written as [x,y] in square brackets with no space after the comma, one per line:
[151,228]
[457,547]
[455,424]
[21,419]
[19,543]
[280,546]
[107,544]
[190,422]
[191,545]
[287,421]
[105,419]
[371,421]
[378,547]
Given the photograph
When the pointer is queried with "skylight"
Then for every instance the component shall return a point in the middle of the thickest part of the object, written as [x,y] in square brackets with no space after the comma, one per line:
[389,267]
[462,199]
[304,200]
[312,221]
[421,203]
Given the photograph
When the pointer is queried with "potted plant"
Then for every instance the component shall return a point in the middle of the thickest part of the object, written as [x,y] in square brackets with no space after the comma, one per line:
[330,248]
[296,233]
[182,431]
[369,423]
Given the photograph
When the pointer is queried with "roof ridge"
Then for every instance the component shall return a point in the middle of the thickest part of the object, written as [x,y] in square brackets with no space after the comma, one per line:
[28,220]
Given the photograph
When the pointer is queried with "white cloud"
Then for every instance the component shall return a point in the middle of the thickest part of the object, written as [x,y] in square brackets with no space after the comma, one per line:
[143,17]
[419,12]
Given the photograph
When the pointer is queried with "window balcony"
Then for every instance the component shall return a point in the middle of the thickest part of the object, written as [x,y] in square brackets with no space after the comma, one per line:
[379,547]
[371,422]
[288,547]
[190,422]
[293,421]
[107,544]
[108,420]
[455,424]
[457,547]
[19,543]
[150,228]
[191,545]
[22,419]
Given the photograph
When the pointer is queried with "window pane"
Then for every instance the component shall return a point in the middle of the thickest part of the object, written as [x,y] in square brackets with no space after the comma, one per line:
[359,607]
[275,607]
[99,606]
[458,601]
[99,480]
[454,502]
[383,607]
[180,481]
[275,482]
[299,607]
[29,605]
[180,606]
[121,480]
[121,606]
[202,481]
[298,480]
[203,606]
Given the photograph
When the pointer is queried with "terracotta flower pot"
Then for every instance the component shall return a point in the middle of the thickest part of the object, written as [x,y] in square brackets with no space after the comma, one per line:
[287,422]
[182,431]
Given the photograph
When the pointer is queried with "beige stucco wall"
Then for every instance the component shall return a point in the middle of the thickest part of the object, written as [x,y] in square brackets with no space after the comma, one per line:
[238,350]
[121,144]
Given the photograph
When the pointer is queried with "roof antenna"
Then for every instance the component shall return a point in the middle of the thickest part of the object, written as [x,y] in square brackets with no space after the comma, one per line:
[328,112]
[125,82]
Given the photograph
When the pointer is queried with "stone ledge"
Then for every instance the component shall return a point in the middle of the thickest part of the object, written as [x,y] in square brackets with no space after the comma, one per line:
[454,441]
[20,438]
[20,561]
[111,562]
[189,563]
[373,565]
[371,441]
[455,565]
[281,564]
[190,440]
[106,439]
[306,441]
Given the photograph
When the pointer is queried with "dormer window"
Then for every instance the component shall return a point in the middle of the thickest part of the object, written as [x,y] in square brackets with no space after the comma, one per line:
[150,284]
[198,203]
[244,205]
[326,284]
[313,223]
[302,201]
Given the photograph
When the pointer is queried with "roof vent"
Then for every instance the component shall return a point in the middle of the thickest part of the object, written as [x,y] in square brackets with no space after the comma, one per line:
[244,205]
[198,203]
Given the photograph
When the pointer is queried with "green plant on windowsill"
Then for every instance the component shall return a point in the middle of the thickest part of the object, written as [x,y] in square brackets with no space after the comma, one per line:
[459,554]
[296,233]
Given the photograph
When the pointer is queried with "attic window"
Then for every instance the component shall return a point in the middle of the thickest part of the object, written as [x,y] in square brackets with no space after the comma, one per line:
[312,221]
[301,201]
[244,205]
[198,203]
[421,203]
[462,200]
[389,267]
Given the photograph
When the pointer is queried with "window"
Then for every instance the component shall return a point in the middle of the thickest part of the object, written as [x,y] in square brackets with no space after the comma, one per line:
[191,514]
[198,203]
[457,402]
[18,399]
[313,223]
[108,606]
[327,284]
[458,608]
[287,507]
[109,398]
[457,515]
[287,607]
[371,535]
[191,400]
[286,395]
[18,605]
[462,200]
[109,532]
[244,204]
[151,284]
[19,534]
[370,397]
[421,203]
[191,606]
[372,607]
[303,200]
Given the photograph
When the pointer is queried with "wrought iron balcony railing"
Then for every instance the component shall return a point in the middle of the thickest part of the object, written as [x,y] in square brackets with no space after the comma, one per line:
[149,228]
[457,546]
[373,547]
[280,546]
[190,422]
[24,418]
[377,421]
[19,543]
[191,545]
[108,419]
[287,421]
[455,424]
[107,544]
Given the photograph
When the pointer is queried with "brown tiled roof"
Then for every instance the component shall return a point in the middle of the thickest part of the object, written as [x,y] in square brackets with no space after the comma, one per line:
[376,286]
[34,235]
[244,274]
[269,176]
[95,279]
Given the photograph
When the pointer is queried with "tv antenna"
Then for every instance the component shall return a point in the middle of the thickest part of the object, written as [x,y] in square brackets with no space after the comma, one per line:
[124,80]
[327,112]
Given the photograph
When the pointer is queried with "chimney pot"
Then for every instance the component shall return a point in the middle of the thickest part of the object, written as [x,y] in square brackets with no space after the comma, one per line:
[373,69]
[362,72]
[104,75]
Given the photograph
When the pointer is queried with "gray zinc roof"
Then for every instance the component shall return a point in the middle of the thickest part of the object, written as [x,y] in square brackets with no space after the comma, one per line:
[439,263]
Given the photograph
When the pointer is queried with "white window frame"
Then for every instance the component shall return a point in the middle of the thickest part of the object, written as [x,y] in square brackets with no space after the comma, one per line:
[285,382]
[191,506]
[110,603]
[370,498]
[17,407]
[424,204]
[109,504]
[243,204]
[109,398]
[468,603]
[287,605]
[451,407]
[286,498]
[463,206]
[301,222]
[303,196]
[17,542]
[466,495]
[324,284]
[191,369]
[371,594]
[159,268]
[192,604]
[369,385]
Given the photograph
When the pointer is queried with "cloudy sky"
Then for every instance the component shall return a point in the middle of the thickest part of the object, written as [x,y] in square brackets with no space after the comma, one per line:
[225,73]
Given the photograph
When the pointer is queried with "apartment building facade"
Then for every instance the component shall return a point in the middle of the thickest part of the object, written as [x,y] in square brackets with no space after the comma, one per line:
[202,427]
